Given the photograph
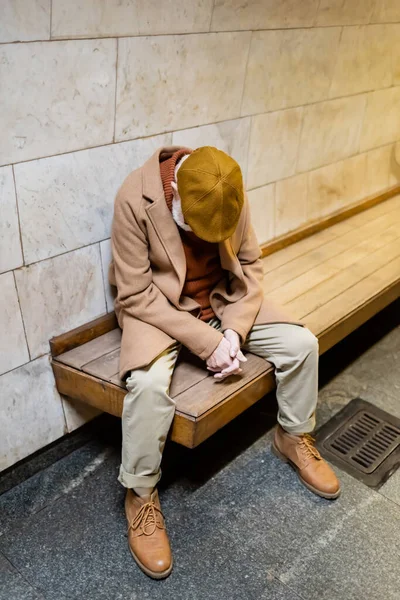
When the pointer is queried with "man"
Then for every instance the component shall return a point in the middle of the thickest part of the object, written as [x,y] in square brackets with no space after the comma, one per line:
[187,268]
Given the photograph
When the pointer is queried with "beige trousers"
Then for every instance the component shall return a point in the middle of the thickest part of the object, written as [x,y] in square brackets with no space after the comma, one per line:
[148,410]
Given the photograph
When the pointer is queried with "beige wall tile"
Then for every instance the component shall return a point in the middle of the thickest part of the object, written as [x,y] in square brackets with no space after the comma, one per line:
[324,191]
[31,411]
[331,131]
[377,172]
[13,348]
[10,244]
[290,203]
[106,256]
[128,17]
[386,11]
[77,413]
[289,68]
[167,83]
[67,201]
[394,35]
[274,141]
[262,14]
[67,101]
[382,119]
[230,136]
[59,294]
[169,16]
[335,186]
[262,209]
[354,179]
[364,60]
[84,18]
[344,12]
[20,22]
[394,171]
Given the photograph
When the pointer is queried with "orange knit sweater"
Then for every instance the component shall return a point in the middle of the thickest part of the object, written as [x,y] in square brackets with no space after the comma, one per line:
[203,265]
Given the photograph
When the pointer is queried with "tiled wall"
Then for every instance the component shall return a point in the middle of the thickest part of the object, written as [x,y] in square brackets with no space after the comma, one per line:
[304,94]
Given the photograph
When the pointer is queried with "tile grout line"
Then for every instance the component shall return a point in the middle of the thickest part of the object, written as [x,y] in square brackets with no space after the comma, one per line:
[211,17]
[102,276]
[78,38]
[116,88]
[245,75]
[160,133]
[51,19]
[16,570]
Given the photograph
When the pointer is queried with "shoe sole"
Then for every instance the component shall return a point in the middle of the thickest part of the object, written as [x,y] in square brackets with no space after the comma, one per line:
[284,459]
[152,574]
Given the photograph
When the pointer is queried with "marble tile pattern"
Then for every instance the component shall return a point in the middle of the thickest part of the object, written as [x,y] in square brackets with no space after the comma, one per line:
[382,119]
[335,186]
[106,256]
[340,121]
[262,209]
[262,14]
[377,171]
[230,136]
[97,18]
[55,97]
[275,159]
[59,294]
[386,11]
[77,413]
[290,203]
[344,12]
[19,24]
[67,201]
[10,244]
[293,58]
[364,60]
[184,81]
[31,411]
[13,348]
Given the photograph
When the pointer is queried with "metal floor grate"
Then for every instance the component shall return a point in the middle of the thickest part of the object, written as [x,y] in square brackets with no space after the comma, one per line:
[364,441]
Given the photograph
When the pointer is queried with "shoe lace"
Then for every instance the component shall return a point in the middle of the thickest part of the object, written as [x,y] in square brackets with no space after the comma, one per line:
[307,444]
[148,519]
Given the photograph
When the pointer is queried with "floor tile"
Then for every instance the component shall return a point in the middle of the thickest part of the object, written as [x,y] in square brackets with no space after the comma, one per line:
[391,489]
[13,586]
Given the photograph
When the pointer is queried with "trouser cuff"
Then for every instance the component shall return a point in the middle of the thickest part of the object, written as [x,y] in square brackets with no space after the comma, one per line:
[134,481]
[297,428]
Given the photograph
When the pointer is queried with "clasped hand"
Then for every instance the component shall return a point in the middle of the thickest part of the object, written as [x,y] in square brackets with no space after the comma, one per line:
[226,358]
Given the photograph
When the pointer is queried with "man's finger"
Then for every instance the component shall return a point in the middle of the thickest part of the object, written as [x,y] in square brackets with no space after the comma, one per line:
[240,356]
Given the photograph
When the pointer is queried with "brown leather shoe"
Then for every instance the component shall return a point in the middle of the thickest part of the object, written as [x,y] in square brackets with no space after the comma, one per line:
[313,471]
[147,536]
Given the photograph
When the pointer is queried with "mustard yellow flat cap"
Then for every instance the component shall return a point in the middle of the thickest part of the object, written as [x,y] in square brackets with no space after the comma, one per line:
[210,186]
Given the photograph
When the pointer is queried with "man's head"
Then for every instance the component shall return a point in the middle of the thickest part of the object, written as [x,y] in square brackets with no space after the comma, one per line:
[210,187]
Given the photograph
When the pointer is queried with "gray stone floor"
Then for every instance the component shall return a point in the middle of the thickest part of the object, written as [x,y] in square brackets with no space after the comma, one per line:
[241,525]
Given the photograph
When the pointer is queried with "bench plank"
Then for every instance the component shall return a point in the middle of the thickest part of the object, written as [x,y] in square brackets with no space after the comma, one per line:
[286,255]
[310,279]
[338,286]
[319,256]
[81,355]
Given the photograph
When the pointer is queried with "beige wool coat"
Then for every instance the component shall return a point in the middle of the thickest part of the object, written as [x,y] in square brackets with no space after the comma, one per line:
[149,268]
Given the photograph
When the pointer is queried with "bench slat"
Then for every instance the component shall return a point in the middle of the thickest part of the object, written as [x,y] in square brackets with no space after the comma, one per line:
[321,255]
[82,355]
[209,392]
[310,279]
[340,285]
[286,255]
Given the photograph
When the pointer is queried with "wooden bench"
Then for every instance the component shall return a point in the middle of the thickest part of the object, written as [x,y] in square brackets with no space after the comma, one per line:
[334,280]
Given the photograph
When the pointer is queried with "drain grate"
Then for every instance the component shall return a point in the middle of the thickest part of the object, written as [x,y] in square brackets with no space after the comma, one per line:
[364,441]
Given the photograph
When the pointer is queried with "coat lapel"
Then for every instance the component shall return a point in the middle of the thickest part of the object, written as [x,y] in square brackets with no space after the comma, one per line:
[160,215]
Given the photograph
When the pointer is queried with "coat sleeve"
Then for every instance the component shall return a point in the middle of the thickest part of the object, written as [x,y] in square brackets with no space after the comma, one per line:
[140,297]
[240,315]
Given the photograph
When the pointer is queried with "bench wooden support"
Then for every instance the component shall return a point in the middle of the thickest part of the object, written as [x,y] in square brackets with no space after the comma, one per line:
[334,280]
